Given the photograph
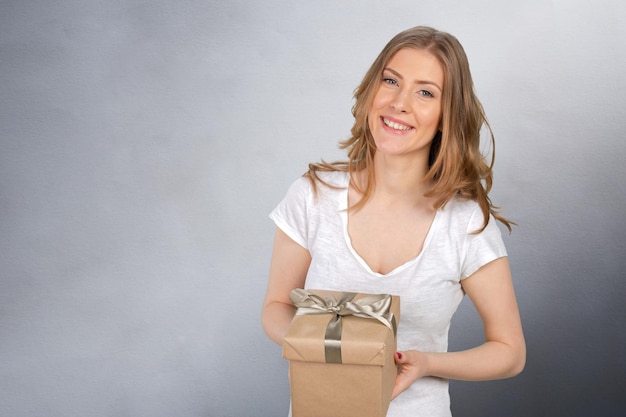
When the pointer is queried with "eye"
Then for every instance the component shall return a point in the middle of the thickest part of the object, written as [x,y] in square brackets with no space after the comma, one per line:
[425,93]
[389,81]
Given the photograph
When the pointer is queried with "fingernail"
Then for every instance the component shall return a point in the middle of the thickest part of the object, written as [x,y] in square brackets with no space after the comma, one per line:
[399,355]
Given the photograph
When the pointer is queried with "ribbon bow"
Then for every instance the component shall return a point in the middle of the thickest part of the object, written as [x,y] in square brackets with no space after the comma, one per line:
[370,307]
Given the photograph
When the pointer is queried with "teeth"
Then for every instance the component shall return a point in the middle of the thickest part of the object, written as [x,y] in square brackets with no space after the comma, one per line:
[395,125]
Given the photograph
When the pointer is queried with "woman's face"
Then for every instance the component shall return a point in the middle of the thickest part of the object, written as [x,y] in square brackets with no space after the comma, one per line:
[406,111]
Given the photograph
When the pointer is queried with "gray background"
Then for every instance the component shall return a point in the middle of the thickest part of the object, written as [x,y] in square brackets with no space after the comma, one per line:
[143,144]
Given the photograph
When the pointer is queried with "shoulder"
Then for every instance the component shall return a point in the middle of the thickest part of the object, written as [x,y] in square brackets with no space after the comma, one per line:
[338,179]
[329,182]
[465,216]
[328,185]
[461,210]
[299,190]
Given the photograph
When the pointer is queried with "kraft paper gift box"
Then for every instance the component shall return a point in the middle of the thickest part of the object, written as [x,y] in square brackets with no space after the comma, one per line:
[341,348]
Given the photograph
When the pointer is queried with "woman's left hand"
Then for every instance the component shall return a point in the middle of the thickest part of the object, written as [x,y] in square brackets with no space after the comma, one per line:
[412,366]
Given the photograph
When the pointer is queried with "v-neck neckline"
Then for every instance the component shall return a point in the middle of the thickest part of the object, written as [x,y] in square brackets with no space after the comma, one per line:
[343,210]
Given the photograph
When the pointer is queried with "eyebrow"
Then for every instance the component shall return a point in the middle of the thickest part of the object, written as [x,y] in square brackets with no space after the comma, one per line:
[397,74]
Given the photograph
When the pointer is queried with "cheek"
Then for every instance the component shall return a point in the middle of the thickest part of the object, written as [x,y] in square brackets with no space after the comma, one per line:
[373,112]
[380,101]
[433,115]
[374,107]
[371,117]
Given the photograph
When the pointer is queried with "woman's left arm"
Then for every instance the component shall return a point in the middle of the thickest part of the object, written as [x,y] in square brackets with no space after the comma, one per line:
[503,354]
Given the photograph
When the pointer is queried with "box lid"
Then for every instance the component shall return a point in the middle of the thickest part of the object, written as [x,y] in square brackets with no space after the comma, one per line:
[364,341]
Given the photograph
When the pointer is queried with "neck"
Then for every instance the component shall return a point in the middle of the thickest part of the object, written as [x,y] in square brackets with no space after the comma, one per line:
[398,177]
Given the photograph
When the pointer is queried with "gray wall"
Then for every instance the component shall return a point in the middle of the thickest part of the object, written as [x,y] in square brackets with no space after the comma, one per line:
[143,144]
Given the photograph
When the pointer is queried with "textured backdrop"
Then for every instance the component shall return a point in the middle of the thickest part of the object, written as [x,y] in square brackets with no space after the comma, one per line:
[143,143]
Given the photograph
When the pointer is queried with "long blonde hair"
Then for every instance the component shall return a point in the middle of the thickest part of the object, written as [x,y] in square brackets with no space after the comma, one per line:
[456,165]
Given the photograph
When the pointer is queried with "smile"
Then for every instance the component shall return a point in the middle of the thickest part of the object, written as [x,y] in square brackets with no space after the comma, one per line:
[395,125]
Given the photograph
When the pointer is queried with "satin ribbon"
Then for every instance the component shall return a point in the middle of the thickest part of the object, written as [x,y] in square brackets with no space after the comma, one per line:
[370,307]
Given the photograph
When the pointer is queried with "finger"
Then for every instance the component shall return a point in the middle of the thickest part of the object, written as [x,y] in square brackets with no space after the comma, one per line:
[402,383]
[401,357]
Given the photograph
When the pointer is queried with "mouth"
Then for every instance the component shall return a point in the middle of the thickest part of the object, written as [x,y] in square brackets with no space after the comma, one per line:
[396,125]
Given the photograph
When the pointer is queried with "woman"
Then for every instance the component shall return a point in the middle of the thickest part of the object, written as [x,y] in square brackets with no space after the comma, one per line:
[407,214]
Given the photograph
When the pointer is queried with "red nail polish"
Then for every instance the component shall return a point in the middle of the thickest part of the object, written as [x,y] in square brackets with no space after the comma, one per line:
[399,355]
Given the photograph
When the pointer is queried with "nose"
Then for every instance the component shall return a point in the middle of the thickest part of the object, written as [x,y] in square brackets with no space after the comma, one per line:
[400,101]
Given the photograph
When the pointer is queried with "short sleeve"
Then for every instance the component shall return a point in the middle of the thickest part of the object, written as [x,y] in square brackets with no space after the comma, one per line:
[290,215]
[482,248]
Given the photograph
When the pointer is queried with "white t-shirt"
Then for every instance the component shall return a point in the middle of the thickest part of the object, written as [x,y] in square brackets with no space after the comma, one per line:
[429,285]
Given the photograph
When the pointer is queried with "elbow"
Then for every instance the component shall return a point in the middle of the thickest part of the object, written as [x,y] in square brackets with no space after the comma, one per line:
[517,368]
[266,324]
[518,361]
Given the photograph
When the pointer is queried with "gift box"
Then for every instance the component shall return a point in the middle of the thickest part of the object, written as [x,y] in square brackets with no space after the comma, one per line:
[341,348]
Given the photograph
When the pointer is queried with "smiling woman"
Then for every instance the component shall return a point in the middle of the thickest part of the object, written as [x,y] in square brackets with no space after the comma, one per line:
[407,214]
[406,111]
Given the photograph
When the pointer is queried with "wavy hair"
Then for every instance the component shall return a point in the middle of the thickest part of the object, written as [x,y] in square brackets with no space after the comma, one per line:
[456,165]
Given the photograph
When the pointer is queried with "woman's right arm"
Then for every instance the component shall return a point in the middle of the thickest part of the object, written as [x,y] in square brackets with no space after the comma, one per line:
[288,269]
